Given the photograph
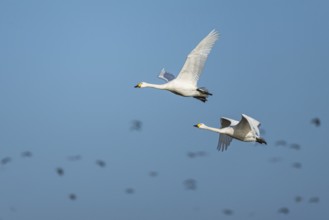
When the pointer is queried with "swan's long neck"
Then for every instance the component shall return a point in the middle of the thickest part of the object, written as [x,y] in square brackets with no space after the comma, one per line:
[155,86]
[218,130]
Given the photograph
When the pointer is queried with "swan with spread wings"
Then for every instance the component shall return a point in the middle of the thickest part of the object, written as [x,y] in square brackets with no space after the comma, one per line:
[247,129]
[185,84]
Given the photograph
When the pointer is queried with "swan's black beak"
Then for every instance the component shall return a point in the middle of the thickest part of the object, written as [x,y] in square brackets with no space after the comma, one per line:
[261,141]
[195,126]
[136,86]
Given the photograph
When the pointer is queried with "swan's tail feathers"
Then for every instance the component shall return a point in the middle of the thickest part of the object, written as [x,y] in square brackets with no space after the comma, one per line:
[204,90]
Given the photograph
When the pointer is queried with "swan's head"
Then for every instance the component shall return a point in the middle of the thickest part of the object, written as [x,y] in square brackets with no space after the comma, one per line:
[261,140]
[140,85]
[199,125]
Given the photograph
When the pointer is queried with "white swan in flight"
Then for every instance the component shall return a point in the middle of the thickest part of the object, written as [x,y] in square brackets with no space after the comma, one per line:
[247,129]
[185,84]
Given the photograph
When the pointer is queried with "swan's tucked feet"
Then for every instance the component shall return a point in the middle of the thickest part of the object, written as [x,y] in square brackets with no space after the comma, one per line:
[202,99]
[203,91]
[261,141]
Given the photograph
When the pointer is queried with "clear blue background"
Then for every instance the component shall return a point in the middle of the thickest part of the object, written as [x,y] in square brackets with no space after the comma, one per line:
[67,71]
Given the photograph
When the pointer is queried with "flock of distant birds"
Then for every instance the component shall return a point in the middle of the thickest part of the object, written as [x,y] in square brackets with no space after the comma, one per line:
[188,184]
[185,84]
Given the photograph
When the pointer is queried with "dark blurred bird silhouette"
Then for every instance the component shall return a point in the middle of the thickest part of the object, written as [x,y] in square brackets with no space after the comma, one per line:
[136,125]
[5,160]
[228,211]
[101,163]
[130,191]
[153,173]
[297,165]
[60,171]
[72,196]
[298,199]
[26,154]
[283,210]
[191,154]
[316,121]
[295,146]
[314,200]
[190,184]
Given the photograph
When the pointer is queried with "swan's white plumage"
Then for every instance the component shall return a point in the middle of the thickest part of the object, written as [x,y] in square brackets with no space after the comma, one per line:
[247,124]
[225,140]
[185,84]
[247,129]
[194,64]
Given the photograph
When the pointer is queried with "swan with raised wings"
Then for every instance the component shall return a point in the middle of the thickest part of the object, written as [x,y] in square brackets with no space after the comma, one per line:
[185,84]
[247,129]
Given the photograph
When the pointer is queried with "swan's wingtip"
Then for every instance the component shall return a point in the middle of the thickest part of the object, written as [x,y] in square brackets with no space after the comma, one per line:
[214,32]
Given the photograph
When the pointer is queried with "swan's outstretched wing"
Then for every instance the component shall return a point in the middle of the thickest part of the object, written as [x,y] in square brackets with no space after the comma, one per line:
[254,124]
[166,76]
[223,142]
[195,61]
[246,125]
[243,127]
[225,122]
[251,120]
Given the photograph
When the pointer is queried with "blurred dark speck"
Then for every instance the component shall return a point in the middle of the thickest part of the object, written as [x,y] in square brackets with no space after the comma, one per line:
[316,121]
[314,199]
[295,146]
[191,154]
[136,125]
[60,171]
[130,191]
[298,199]
[283,210]
[153,173]
[228,212]
[297,165]
[72,196]
[100,163]
[190,184]
[5,160]
[26,154]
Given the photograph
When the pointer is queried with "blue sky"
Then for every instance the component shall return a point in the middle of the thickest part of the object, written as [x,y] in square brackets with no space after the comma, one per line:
[66,88]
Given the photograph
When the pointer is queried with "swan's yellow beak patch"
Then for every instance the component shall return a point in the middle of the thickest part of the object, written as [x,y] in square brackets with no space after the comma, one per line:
[197,125]
[138,85]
